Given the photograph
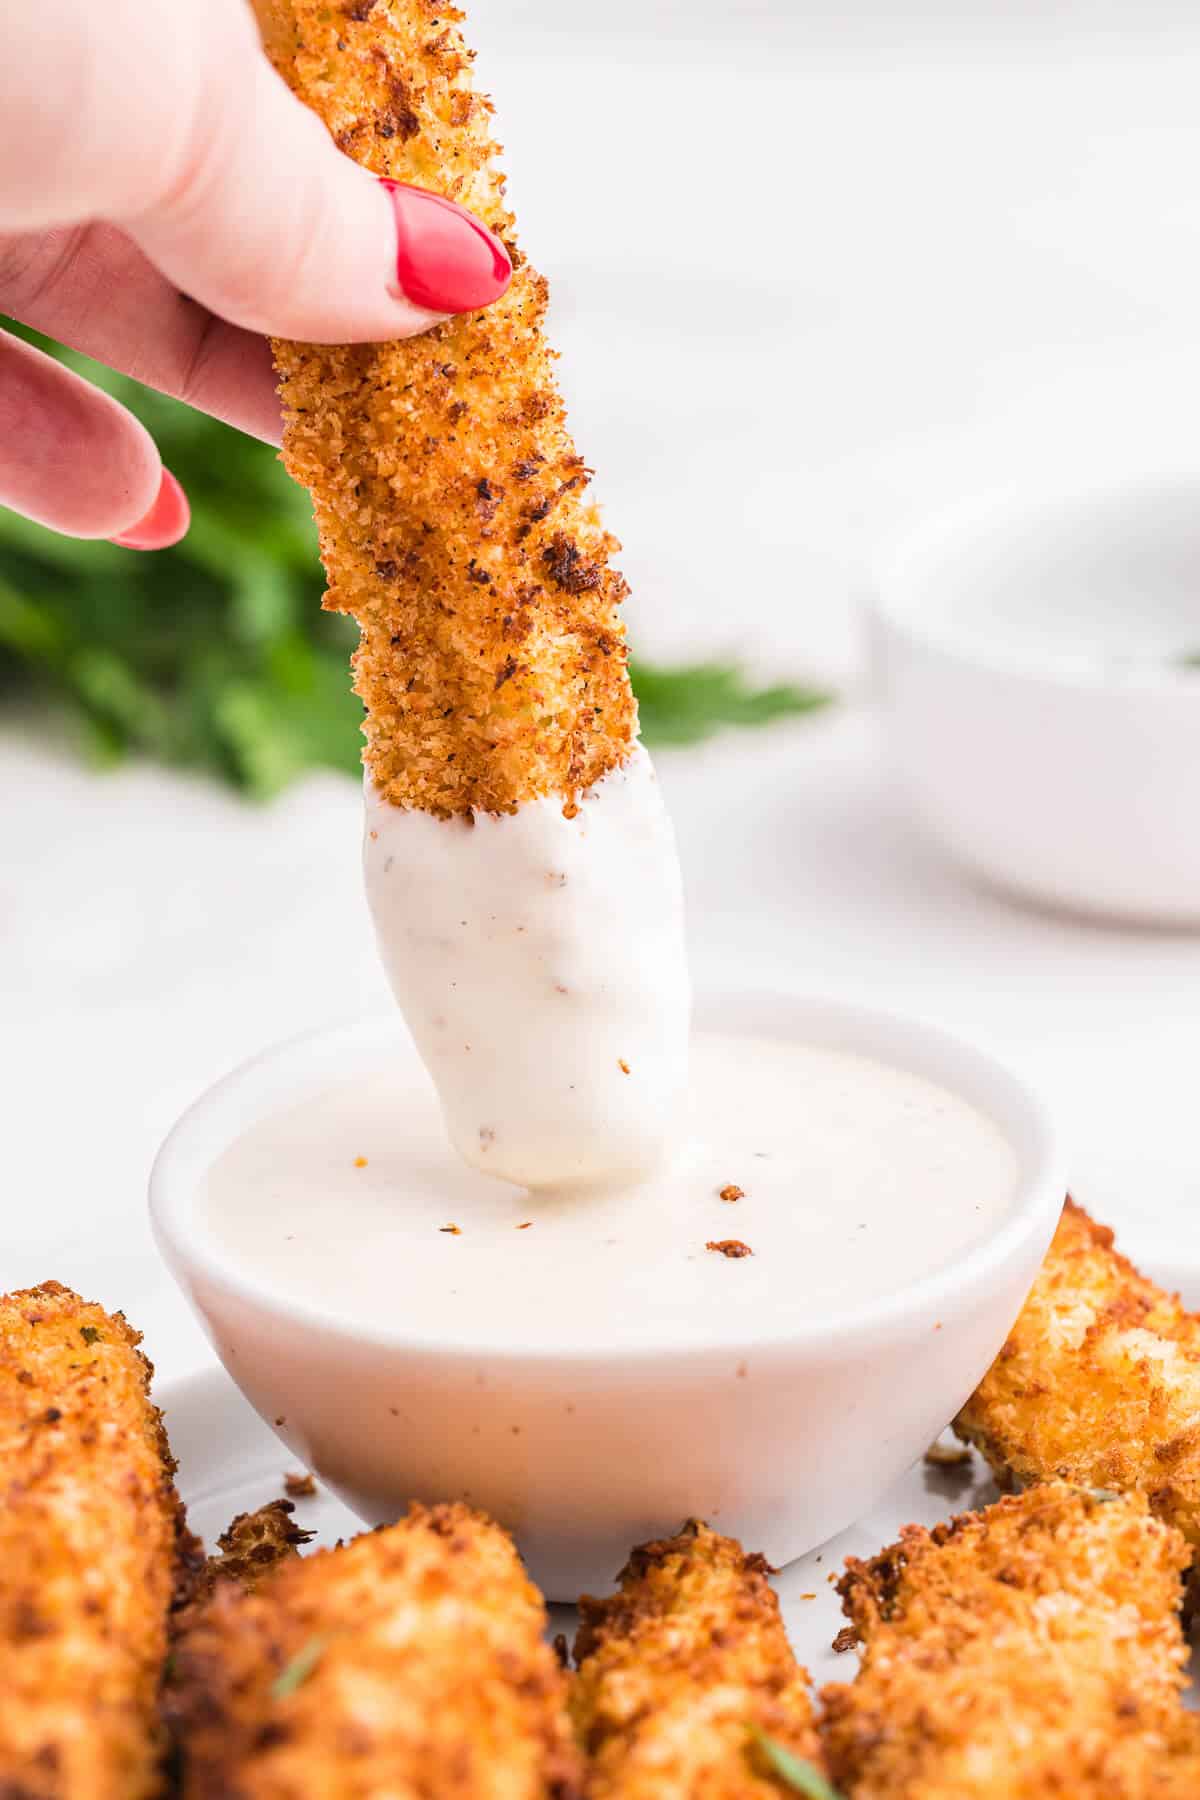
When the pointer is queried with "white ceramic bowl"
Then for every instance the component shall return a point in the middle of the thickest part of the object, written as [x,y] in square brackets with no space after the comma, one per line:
[1031,652]
[781,1439]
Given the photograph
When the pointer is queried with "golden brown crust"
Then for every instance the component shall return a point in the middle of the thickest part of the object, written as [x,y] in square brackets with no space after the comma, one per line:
[678,1666]
[422,1672]
[1099,1381]
[452,506]
[94,1549]
[1034,1648]
[252,1546]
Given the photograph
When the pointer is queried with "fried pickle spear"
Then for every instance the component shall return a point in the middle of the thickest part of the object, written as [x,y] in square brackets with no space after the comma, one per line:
[409,1662]
[1099,1382]
[454,520]
[680,1669]
[94,1550]
[1031,1649]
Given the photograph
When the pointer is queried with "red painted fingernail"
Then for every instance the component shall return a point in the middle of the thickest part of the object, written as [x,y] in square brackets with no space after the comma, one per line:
[447,261]
[165,523]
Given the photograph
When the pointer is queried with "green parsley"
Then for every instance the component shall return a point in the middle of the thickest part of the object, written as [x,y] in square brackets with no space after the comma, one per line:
[90,1335]
[216,655]
[687,704]
[295,1673]
[800,1775]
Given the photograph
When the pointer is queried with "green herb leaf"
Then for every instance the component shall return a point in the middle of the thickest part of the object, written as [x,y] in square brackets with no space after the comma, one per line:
[687,704]
[1190,660]
[89,1334]
[800,1775]
[295,1673]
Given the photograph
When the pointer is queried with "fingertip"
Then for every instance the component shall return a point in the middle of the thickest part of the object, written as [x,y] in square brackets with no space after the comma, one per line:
[447,260]
[166,522]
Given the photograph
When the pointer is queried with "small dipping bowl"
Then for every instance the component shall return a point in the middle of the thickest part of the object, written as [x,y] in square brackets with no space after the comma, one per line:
[1034,652]
[782,1439]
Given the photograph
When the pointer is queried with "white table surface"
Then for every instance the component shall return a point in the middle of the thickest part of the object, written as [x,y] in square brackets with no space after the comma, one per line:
[809,285]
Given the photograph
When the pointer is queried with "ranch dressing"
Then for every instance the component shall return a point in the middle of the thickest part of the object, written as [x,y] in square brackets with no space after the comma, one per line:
[844,1179]
[539,963]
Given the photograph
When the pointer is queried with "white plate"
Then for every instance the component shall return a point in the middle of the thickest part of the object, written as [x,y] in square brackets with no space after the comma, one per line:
[230,1462]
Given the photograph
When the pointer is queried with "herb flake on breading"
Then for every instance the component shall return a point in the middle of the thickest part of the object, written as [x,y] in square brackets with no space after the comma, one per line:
[800,1775]
[296,1672]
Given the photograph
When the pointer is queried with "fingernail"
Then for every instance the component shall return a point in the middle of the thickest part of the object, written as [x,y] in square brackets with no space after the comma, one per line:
[447,261]
[165,523]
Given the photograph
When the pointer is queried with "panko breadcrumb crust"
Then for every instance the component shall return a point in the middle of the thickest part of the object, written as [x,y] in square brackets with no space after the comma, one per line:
[1099,1382]
[251,1547]
[452,505]
[678,1667]
[94,1551]
[422,1671]
[1031,1649]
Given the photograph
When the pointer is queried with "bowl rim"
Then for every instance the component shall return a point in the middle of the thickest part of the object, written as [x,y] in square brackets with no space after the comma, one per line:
[912,556]
[975,1074]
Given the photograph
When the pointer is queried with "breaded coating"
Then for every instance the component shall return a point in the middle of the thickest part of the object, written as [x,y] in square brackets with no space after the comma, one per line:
[408,1663]
[678,1667]
[1031,1649]
[1099,1382]
[251,1546]
[94,1550]
[452,506]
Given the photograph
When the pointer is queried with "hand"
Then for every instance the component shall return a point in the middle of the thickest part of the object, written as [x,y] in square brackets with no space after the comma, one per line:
[164,202]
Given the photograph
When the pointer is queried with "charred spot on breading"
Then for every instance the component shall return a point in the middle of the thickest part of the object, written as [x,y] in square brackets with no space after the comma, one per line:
[569,568]
[399,122]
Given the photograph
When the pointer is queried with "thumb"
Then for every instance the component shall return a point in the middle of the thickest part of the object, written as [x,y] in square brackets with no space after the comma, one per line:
[271,227]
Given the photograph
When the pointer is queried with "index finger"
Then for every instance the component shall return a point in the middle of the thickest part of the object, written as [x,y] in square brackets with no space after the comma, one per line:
[92,288]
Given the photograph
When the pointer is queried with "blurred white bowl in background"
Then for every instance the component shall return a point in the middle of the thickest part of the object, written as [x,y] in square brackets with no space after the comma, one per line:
[1039,656]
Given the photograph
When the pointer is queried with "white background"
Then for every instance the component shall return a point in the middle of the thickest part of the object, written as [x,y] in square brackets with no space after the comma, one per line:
[816,271]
